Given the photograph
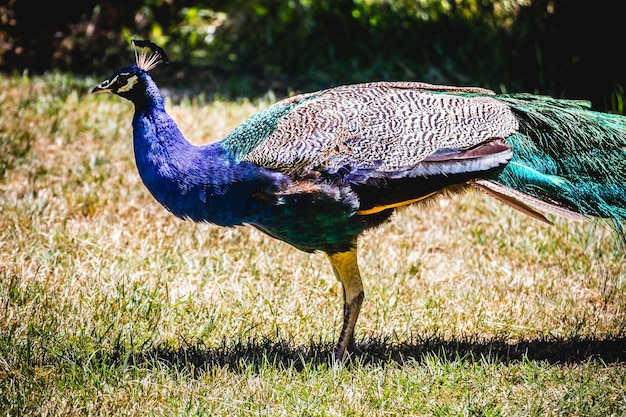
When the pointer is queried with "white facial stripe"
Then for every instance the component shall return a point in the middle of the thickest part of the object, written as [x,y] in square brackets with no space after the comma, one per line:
[130,83]
[107,83]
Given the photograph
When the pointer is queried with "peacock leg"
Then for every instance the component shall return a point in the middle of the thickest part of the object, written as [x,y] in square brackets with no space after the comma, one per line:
[346,270]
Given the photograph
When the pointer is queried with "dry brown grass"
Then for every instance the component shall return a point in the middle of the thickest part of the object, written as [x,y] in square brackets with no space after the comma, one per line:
[108,304]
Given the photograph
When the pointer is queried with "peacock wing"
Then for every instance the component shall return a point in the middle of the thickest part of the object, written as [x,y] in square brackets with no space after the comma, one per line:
[388,130]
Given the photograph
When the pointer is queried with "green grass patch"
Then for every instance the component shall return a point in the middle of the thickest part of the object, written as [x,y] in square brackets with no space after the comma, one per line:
[111,306]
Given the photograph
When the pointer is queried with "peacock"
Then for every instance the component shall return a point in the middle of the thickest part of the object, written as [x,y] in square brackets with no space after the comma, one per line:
[316,170]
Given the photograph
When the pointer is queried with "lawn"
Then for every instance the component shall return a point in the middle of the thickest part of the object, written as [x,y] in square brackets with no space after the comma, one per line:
[111,306]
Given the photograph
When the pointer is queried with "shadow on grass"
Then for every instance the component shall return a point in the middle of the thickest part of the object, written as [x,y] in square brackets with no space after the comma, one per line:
[244,355]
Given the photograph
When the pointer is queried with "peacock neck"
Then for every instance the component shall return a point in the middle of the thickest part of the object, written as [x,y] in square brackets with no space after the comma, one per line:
[159,144]
[202,183]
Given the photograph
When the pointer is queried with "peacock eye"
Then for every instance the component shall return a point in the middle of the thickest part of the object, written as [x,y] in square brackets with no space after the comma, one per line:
[122,79]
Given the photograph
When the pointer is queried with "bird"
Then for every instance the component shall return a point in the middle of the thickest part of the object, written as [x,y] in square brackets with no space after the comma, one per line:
[318,169]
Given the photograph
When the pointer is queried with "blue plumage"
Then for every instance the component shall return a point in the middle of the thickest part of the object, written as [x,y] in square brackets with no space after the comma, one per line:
[317,170]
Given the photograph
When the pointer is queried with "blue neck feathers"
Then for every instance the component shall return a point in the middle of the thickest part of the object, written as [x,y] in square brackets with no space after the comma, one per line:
[202,183]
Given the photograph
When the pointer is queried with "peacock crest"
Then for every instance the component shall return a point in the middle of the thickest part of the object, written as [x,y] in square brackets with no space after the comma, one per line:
[148,55]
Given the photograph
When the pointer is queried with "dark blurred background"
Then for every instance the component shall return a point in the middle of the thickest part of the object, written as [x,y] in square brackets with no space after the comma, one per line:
[564,48]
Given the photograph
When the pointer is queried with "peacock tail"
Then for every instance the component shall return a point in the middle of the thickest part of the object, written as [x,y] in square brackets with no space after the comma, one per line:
[569,156]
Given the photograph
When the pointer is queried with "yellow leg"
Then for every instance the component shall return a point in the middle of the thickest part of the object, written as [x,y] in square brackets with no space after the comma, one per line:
[346,270]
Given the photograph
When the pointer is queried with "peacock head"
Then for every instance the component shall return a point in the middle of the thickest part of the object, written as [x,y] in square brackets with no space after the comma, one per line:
[130,82]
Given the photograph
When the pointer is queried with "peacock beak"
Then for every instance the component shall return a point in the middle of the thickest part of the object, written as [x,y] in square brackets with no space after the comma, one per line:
[103,87]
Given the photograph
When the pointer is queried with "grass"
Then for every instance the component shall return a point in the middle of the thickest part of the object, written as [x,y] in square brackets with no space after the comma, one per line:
[111,306]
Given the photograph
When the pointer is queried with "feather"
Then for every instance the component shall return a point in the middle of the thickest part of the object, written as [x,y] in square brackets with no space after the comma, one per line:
[378,128]
[568,156]
[525,203]
[148,55]
[378,209]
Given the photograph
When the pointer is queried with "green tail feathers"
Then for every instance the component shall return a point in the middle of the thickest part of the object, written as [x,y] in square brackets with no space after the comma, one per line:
[568,155]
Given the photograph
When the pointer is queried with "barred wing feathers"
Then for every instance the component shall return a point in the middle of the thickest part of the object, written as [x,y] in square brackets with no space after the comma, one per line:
[389,130]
